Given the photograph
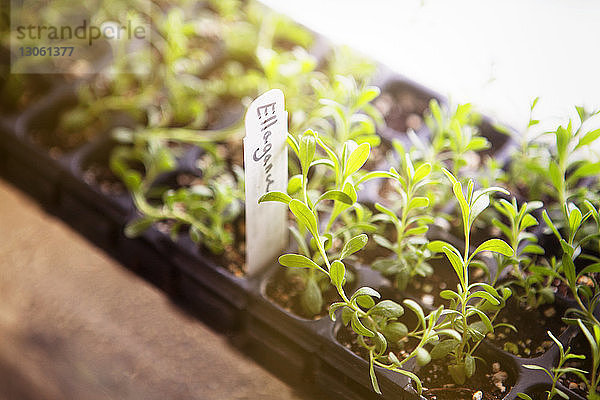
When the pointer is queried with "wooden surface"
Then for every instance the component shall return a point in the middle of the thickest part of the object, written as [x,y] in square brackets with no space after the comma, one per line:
[74,324]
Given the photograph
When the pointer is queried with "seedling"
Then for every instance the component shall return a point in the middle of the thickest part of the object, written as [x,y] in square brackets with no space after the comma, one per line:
[586,296]
[454,134]
[557,372]
[473,300]
[592,334]
[207,207]
[532,279]
[411,225]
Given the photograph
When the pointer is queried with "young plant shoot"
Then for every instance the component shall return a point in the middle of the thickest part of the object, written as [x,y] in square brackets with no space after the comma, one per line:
[470,300]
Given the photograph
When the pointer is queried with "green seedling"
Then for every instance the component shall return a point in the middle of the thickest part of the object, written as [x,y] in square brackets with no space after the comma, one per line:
[586,296]
[454,134]
[207,208]
[349,105]
[410,223]
[531,279]
[592,335]
[471,302]
[557,372]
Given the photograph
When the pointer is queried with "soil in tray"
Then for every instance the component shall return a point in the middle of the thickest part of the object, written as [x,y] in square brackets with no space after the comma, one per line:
[579,345]
[100,175]
[490,379]
[234,256]
[402,107]
[531,338]
[427,290]
[46,131]
[285,290]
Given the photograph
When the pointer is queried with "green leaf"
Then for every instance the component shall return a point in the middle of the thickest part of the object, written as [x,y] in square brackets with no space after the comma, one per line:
[587,169]
[457,263]
[307,147]
[478,143]
[484,319]
[588,335]
[469,365]
[366,95]
[419,230]
[395,331]
[550,224]
[347,313]
[496,246]
[357,159]
[275,196]
[574,219]
[568,265]
[365,301]
[418,202]
[336,195]
[464,207]
[293,143]
[374,175]
[423,357]
[333,308]
[457,372]
[443,348]
[337,273]
[479,205]
[387,309]
[383,209]
[535,367]
[365,291]
[304,215]
[437,246]
[135,228]
[298,261]
[449,295]
[311,298]
[372,374]
[358,327]
[353,245]
[556,178]
[524,396]
[486,296]
[422,172]
[588,138]
[532,249]
[562,394]
[350,191]
[294,184]
[416,308]
[383,242]
[590,269]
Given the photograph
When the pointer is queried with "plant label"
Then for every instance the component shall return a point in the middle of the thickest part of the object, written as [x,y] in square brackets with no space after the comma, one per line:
[266,169]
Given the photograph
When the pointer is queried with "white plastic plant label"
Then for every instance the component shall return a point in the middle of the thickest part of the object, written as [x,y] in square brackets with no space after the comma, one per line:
[266,169]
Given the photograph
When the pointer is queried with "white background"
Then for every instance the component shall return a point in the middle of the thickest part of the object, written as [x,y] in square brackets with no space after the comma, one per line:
[498,55]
